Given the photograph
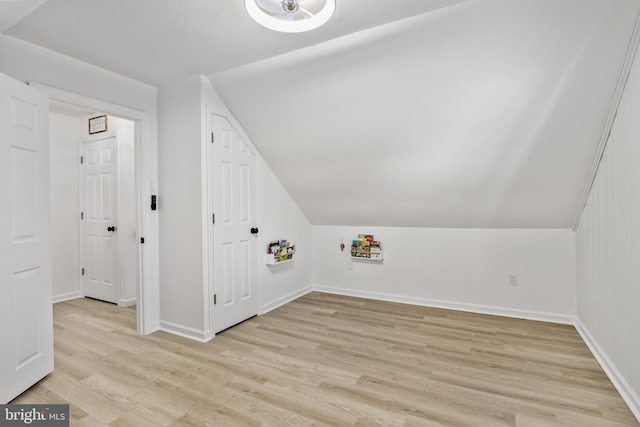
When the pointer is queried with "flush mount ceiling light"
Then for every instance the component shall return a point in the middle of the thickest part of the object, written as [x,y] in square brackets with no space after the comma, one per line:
[290,16]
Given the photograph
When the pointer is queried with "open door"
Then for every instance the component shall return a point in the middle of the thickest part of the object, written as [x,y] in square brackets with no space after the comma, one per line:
[26,323]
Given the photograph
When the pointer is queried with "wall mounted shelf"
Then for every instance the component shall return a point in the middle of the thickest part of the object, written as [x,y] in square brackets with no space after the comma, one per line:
[279,252]
[366,248]
[271,260]
[367,256]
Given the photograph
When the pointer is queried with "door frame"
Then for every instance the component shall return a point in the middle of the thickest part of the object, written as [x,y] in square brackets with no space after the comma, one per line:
[148,306]
[207,211]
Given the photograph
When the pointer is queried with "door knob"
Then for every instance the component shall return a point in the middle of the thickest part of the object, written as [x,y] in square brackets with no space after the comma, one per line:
[254,230]
[111,229]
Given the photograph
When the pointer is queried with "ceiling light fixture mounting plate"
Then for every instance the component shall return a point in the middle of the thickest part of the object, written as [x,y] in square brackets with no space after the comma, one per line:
[290,16]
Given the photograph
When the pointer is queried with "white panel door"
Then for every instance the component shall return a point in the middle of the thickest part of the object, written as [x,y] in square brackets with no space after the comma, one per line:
[26,322]
[98,216]
[234,245]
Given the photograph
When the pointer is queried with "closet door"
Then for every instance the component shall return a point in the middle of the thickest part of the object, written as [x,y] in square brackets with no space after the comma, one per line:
[99,201]
[26,323]
[235,231]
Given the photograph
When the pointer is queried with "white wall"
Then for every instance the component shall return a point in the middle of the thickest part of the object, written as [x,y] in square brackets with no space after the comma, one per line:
[466,269]
[180,208]
[608,252]
[282,219]
[63,139]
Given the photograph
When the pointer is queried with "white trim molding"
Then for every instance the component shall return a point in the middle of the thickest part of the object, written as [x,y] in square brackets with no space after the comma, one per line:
[127,302]
[286,299]
[627,393]
[184,331]
[448,305]
[67,296]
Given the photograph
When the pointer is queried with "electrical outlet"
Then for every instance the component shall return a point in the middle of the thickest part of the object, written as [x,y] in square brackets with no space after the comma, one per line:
[349,265]
[513,279]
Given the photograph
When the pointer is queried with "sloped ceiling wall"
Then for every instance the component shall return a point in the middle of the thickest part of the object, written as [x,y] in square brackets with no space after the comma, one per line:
[437,113]
[484,114]
[15,10]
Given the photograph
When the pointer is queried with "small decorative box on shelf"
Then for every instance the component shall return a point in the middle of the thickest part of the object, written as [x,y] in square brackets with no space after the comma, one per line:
[279,251]
[365,247]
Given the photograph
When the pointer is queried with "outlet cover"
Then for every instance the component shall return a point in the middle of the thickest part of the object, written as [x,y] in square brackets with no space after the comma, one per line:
[513,279]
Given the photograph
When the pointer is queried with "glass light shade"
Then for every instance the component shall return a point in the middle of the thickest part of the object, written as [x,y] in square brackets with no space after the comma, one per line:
[320,10]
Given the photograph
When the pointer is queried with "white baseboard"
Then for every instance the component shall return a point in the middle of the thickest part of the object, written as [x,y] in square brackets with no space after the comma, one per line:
[472,308]
[154,327]
[202,336]
[286,299]
[630,397]
[128,302]
[68,296]
[184,331]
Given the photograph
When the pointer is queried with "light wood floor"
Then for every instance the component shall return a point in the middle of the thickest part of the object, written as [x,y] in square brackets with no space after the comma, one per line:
[328,360]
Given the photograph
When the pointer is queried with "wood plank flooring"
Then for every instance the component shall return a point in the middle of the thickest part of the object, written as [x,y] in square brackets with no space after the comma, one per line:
[328,360]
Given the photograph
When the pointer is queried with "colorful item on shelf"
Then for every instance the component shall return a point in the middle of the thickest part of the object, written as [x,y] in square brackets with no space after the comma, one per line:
[282,250]
[366,247]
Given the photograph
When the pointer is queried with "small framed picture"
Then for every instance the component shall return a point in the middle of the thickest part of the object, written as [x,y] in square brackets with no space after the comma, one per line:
[98,124]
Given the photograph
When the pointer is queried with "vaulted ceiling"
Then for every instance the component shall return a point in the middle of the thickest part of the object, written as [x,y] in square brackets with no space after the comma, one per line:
[457,113]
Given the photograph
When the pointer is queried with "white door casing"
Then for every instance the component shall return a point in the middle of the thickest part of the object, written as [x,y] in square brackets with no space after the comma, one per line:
[98,206]
[234,200]
[26,322]
[148,306]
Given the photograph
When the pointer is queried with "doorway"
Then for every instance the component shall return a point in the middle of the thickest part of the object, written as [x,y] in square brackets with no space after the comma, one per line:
[108,238]
[147,254]
[93,176]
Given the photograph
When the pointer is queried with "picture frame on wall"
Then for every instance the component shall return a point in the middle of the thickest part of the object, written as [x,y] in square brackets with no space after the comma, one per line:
[98,124]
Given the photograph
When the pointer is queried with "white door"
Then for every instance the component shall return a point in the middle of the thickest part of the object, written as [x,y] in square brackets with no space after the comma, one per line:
[26,322]
[98,205]
[234,245]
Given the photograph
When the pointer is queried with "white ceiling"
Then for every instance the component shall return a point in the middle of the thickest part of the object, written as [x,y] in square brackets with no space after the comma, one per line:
[12,11]
[468,113]
[159,41]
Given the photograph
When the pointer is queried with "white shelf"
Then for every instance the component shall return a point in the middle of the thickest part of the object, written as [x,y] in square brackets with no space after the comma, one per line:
[269,259]
[375,256]
[366,248]
[284,251]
